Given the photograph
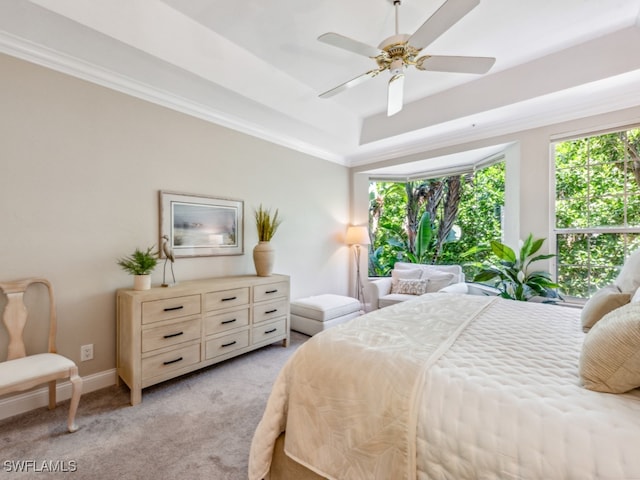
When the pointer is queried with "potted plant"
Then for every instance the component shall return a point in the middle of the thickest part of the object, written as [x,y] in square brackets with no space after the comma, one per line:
[264,253]
[140,264]
[512,276]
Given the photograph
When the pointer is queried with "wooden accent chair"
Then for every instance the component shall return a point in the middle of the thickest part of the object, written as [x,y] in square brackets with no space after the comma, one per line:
[21,371]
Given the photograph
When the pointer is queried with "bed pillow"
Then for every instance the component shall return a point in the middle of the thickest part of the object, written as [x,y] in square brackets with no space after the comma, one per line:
[602,302]
[610,357]
[628,279]
[438,280]
[412,287]
[408,274]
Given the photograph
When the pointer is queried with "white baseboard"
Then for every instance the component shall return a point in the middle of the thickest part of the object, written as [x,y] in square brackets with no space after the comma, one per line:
[24,402]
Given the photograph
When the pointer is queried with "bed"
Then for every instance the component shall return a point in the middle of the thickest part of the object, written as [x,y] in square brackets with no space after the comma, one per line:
[447,386]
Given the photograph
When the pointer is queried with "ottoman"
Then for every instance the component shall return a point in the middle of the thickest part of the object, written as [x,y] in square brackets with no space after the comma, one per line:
[313,314]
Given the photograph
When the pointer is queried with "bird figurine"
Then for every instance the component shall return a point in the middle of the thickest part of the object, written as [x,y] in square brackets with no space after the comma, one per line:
[168,256]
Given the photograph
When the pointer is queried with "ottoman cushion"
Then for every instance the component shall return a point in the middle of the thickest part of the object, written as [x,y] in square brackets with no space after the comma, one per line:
[324,307]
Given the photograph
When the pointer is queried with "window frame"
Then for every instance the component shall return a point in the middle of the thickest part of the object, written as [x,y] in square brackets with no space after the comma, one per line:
[555,231]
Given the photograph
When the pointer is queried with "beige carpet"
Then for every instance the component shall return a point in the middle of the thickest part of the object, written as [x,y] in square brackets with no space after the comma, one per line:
[195,427]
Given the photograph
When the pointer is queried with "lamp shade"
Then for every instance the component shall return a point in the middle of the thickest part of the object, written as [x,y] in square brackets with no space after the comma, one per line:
[357,236]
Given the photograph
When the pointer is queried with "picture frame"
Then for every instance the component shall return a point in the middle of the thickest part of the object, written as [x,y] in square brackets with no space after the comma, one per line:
[200,225]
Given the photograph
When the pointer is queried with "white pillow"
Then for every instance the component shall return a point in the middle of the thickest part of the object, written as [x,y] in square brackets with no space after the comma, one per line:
[628,279]
[610,357]
[602,302]
[636,296]
[409,274]
[438,280]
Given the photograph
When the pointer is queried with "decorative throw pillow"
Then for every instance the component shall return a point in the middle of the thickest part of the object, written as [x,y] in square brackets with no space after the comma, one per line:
[438,280]
[408,274]
[636,296]
[602,302]
[412,287]
[610,357]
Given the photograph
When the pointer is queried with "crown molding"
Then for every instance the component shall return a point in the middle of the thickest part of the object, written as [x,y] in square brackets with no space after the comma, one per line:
[90,72]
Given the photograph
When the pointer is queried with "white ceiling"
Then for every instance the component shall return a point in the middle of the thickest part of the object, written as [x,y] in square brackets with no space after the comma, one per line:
[256,66]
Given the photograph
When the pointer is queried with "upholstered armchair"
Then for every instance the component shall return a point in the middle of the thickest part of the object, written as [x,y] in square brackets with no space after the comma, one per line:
[408,280]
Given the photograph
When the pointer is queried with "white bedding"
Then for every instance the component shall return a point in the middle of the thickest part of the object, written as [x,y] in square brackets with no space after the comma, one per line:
[506,402]
[501,400]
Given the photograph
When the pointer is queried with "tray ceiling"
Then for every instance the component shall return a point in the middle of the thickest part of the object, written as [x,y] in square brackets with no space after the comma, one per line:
[257,66]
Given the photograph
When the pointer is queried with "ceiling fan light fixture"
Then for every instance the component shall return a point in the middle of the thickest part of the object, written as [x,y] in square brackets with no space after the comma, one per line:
[396,67]
[401,51]
[395,94]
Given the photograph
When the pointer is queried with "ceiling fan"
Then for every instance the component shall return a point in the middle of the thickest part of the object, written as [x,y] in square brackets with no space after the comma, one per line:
[401,51]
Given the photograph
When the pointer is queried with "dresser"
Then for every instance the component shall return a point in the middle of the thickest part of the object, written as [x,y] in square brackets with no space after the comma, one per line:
[167,332]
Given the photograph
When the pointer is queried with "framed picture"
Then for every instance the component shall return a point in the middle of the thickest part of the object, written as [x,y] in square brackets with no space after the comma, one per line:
[201,226]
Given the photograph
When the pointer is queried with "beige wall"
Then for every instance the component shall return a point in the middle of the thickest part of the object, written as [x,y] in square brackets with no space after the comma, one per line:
[81,169]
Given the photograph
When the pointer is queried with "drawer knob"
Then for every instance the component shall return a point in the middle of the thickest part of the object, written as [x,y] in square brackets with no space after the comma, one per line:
[270,331]
[224,322]
[272,291]
[228,344]
[170,309]
[172,361]
[272,311]
[171,335]
[228,299]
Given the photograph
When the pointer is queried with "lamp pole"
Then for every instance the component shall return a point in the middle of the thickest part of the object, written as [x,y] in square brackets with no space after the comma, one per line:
[358,236]
[359,290]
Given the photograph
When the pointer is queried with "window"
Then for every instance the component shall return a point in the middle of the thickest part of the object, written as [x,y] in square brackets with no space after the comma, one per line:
[597,208]
[468,206]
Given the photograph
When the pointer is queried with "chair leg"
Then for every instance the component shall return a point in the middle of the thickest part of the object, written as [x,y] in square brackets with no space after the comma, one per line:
[52,394]
[76,391]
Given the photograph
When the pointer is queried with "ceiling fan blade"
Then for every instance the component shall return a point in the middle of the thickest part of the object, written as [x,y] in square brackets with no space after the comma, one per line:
[450,12]
[438,63]
[351,83]
[395,94]
[349,44]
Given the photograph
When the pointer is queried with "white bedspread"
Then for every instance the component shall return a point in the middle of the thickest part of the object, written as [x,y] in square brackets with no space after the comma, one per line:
[348,397]
[496,395]
[505,402]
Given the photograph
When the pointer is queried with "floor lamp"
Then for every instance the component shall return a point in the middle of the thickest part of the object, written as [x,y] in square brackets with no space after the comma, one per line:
[358,236]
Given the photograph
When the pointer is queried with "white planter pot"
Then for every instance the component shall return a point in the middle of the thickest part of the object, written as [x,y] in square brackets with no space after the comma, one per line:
[141,282]
[263,257]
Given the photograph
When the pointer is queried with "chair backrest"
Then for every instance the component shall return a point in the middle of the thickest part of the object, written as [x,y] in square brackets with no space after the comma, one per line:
[15,315]
[455,269]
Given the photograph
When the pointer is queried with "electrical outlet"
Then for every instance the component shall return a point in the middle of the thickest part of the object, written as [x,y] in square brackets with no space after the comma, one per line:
[86,352]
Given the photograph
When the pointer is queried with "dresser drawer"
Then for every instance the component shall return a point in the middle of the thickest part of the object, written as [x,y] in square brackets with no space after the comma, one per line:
[270,290]
[270,330]
[226,321]
[226,298]
[173,334]
[227,343]
[271,310]
[177,307]
[165,362]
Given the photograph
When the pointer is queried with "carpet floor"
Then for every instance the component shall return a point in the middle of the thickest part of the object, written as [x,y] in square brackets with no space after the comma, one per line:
[196,426]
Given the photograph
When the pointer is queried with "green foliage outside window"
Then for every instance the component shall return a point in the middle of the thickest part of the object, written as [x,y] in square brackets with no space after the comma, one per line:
[597,208]
[597,211]
[445,220]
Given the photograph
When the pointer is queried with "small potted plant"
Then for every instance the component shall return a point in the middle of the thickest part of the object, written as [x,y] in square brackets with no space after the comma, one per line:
[263,252]
[140,264]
